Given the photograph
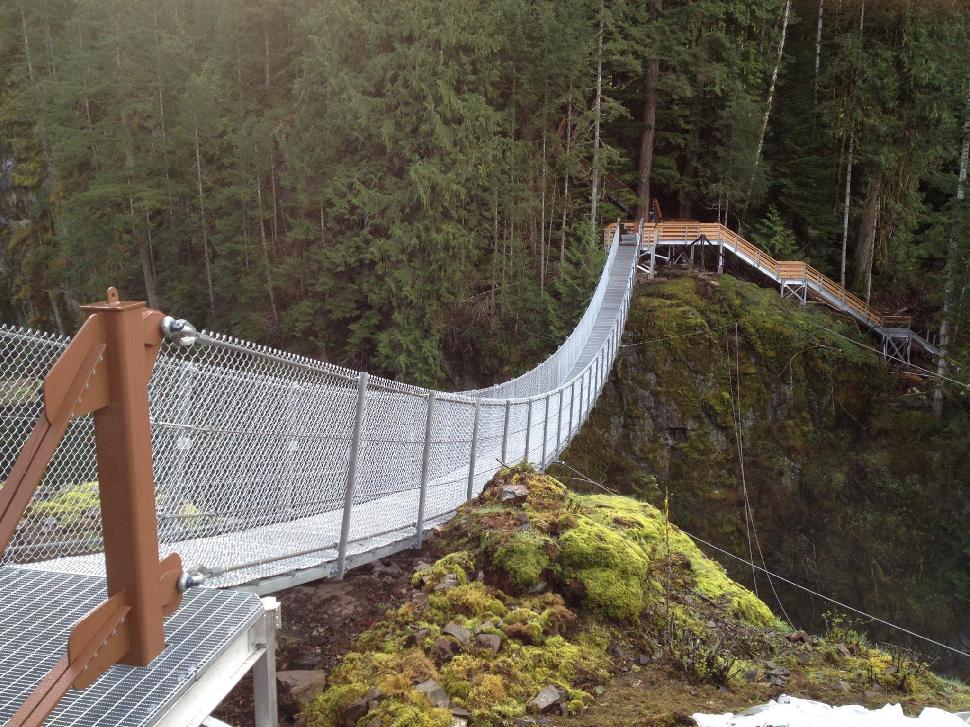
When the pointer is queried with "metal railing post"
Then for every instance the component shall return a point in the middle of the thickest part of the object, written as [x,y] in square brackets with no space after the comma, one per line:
[474,450]
[505,433]
[352,473]
[545,432]
[425,468]
[528,432]
[559,425]
[572,402]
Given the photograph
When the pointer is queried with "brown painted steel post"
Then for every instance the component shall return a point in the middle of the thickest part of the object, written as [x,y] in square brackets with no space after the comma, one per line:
[124,454]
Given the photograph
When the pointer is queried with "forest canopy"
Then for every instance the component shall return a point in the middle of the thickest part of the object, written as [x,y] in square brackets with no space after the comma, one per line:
[415,187]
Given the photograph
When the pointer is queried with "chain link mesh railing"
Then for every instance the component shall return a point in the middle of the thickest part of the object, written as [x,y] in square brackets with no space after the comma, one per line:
[266,462]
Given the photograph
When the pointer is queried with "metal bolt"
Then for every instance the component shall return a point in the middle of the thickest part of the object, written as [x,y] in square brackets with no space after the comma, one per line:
[179,331]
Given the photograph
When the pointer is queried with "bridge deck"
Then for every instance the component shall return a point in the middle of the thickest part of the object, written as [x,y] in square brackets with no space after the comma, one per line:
[626,257]
[289,552]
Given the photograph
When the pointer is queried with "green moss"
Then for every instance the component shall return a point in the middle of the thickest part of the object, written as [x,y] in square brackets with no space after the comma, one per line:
[473,600]
[610,568]
[72,506]
[523,557]
[459,563]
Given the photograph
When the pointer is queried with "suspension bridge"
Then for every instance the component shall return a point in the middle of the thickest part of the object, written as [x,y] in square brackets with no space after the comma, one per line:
[270,470]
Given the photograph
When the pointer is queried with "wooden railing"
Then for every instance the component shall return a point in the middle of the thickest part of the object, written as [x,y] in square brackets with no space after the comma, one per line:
[782,270]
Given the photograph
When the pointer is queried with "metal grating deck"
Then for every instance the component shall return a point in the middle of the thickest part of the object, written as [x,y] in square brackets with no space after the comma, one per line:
[39,610]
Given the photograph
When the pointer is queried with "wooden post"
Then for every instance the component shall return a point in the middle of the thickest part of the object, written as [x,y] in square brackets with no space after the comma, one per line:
[124,453]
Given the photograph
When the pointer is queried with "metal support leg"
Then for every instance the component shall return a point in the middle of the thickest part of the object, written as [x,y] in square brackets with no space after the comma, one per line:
[653,251]
[352,473]
[572,401]
[264,670]
[528,432]
[720,255]
[545,433]
[425,469]
[505,433]
[559,425]
[474,451]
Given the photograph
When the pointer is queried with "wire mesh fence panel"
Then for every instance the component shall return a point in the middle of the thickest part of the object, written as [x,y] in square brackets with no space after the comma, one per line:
[252,448]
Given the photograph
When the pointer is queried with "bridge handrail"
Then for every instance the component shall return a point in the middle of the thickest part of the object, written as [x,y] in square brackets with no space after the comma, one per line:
[688,230]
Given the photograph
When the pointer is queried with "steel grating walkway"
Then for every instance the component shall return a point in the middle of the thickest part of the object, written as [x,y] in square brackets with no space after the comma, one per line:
[41,608]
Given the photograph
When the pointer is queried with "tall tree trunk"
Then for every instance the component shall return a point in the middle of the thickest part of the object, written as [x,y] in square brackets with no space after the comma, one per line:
[847,203]
[206,253]
[949,302]
[866,240]
[144,255]
[818,48]
[649,122]
[542,217]
[27,58]
[266,58]
[565,182]
[594,197]
[771,96]
[274,315]
[56,312]
[158,76]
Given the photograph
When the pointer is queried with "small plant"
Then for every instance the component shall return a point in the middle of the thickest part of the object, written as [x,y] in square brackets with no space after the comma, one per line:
[841,629]
[706,662]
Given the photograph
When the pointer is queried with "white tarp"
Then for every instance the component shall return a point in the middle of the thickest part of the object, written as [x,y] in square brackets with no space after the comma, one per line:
[793,712]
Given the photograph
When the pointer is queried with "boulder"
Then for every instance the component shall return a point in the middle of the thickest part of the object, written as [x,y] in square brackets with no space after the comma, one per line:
[417,638]
[442,650]
[352,714]
[545,700]
[435,693]
[458,631]
[449,581]
[514,494]
[490,641]
[302,684]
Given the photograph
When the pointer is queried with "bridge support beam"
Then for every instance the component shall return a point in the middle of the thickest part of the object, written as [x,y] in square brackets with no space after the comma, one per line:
[897,346]
[795,289]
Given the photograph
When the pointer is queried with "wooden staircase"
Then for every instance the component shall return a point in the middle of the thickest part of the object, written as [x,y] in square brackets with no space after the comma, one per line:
[676,240]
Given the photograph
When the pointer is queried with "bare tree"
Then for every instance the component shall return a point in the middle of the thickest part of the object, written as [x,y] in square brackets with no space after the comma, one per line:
[771,94]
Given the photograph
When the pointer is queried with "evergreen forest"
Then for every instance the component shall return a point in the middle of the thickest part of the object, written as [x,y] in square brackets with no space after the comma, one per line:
[418,188]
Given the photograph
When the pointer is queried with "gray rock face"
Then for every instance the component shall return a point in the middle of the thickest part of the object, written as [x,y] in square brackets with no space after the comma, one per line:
[435,693]
[458,631]
[302,684]
[545,700]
